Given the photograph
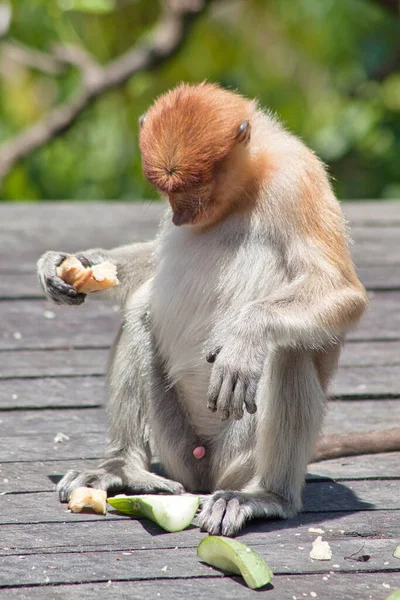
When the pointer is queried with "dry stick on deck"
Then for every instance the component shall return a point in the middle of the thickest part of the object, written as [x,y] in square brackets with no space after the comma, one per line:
[167,38]
[352,444]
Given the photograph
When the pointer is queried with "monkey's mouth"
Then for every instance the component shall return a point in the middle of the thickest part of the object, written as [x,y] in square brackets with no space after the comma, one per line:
[183,216]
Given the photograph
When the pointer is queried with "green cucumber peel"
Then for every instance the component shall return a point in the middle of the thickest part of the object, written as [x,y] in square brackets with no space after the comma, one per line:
[172,513]
[395,595]
[235,557]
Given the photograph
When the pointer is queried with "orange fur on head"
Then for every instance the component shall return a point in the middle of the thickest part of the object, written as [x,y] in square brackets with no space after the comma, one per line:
[187,132]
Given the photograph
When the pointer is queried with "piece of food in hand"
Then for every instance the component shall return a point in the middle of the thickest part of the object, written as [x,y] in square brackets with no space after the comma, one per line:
[172,513]
[320,550]
[395,595]
[85,499]
[87,279]
[235,557]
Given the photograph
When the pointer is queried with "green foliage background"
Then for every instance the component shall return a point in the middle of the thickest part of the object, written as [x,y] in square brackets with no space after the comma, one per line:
[329,68]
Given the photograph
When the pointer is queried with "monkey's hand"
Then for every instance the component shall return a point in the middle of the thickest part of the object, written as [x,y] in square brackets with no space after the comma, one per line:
[234,378]
[53,286]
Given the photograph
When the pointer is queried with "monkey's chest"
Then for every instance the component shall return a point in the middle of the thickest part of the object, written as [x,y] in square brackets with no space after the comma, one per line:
[199,284]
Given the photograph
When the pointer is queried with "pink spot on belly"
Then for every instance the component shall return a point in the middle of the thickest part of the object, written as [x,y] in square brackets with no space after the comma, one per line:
[199,452]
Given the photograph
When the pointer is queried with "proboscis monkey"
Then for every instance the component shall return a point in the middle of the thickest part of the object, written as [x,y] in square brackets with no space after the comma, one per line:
[233,318]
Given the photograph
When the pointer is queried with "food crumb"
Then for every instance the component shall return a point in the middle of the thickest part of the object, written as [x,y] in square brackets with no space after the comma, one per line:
[336,566]
[325,578]
[320,550]
[61,437]
[14,397]
[17,335]
[313,594]
[316,530]
[386,586]
[164,569]
[49,314]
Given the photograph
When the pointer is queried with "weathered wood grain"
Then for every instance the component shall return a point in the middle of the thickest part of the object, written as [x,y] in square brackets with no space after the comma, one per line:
[51,392]
[342,416]
[318,497]
[180,563]
[40,476]
[24,284]
[43,447]
[24,323]
[371,213]
[112,534]
[60,363]
[358,467]
[361,586]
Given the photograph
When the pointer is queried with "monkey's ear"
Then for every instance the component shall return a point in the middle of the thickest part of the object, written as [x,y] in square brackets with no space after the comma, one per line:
[243,132]
[142,119]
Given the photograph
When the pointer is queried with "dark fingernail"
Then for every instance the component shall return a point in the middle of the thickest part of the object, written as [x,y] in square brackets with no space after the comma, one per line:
[84,261]
[211,356]
[72,292]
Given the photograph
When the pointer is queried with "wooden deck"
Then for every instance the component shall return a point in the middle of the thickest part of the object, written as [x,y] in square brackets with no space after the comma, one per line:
[51,382]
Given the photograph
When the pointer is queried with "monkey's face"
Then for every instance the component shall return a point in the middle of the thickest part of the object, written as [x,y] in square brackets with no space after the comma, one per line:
[184,138]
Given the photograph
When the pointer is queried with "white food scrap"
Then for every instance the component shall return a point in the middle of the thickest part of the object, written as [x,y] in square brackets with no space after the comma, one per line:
[320,550]
[90,499]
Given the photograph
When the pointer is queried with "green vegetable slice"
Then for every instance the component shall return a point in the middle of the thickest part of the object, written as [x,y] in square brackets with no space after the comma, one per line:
[396,552]
[172,513]
[235,557]
[395,595]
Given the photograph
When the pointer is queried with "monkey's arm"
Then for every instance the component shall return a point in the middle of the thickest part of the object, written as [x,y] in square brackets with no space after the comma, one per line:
[305,315]
[134,262]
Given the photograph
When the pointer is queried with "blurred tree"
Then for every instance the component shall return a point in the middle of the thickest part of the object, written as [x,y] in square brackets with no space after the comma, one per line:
[331,70]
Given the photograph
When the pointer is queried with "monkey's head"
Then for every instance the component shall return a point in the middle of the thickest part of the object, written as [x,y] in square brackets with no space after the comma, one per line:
[194,143]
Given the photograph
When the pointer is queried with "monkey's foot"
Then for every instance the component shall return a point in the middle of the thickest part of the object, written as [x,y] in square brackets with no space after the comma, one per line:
[115,477]
[226,512]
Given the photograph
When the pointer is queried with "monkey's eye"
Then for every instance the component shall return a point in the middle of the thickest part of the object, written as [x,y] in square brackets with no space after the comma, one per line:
[142,119]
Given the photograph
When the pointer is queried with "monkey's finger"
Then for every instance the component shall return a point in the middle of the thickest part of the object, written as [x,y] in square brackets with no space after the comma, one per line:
[250,397]
[211,356]
[217,514]
[62,292]
[215,386]
[225,398]
[238,399]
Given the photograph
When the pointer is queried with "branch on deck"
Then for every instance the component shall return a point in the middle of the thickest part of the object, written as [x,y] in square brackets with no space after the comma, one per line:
[167,38]
[353,444]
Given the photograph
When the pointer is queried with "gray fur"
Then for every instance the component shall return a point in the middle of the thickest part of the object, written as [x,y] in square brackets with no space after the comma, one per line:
[229,338]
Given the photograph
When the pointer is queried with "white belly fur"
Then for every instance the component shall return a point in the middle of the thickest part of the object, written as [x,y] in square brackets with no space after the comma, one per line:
[195,285]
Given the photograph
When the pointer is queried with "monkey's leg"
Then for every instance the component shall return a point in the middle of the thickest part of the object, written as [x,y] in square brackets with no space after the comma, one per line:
[130,390]
[289,418]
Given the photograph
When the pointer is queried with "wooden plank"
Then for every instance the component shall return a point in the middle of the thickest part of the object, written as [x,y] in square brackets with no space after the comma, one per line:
[36,423]
[24,285]
[370,354]
[180,563]
[369,213]
[338,586]
[36,476]
[60,363]
[131,534]
[24,323]
[318,497]
[31,435]
[28,231]
[360,415]
[49,392]
[27,448]
[358,467]
[367,382]
[342,416]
